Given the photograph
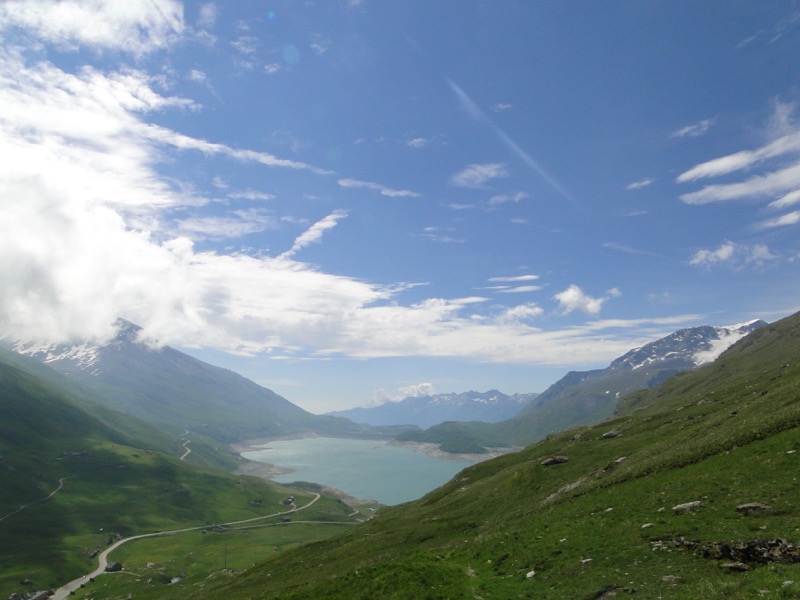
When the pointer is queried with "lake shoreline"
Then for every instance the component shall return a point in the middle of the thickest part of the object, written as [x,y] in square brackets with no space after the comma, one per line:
[369,470]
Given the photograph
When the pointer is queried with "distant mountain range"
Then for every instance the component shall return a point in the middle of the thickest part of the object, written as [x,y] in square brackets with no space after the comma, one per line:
[586,397]
[170,389]
[426,411]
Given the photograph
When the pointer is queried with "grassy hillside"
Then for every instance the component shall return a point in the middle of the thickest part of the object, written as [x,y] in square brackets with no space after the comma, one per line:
[605,521]
[71,482]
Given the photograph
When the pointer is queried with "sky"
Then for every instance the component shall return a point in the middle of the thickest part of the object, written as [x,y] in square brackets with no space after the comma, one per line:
[354,201]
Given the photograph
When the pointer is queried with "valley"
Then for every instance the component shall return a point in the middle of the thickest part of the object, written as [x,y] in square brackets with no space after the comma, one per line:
[155,499]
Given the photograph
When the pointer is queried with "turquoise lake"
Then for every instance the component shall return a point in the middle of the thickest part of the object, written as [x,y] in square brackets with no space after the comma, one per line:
[362,468]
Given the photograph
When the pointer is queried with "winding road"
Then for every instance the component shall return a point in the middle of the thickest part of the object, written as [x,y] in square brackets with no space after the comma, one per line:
[64,591]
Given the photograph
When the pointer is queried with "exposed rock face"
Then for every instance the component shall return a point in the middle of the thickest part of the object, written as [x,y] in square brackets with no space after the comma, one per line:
[747,553]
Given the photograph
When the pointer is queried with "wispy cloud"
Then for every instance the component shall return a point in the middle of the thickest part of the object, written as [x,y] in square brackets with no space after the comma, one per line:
[742,160]
[638,185]
[251,195]
[477,175]
[789,199]
[320,44]
[774,180]
[521,289]
[382,189]
[313,234]
[514,278]
[242,222]
[437,234]
[694,130]
[474,111]
[505,198]
[792,218]
[418,142]
[501,107]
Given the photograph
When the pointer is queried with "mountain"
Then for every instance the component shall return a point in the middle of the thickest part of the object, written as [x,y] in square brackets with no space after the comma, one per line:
[425,411]
[75,475]
[173,390]
[584,397]
[689,491]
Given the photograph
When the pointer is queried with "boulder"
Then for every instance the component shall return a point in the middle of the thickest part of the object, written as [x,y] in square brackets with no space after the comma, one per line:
[554,460]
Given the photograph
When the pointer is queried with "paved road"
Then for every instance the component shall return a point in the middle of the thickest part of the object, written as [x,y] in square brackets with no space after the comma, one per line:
[64,591]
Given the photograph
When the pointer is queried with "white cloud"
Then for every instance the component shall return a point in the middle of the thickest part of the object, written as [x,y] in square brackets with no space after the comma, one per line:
[695,130]
[523,312]
[710,257]
[86,237]
[419,142]
[418,390]
[734,255]
[135,27]
[272,68]
[501,107]
[314,233]
[573,298]
[384,191]
[638,185]
[477,175]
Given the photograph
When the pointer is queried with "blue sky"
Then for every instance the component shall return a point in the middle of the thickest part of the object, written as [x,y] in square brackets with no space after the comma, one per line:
[353,201]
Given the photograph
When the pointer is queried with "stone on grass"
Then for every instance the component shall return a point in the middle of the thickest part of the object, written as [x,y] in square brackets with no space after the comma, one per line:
[554,460]
[687,506]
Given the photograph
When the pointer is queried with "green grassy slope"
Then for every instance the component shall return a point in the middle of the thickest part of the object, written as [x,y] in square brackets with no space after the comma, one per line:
[107,482]
[602,522]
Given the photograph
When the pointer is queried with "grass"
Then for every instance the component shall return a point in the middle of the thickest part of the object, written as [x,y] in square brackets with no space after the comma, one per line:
[601,522]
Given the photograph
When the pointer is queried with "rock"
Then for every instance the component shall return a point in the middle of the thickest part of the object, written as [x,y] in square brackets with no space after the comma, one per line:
[647,526]
[610,434]
[554,460]
[687,506]
[738,567]
[672,579]
[752,507]
[530,574]
[586,561]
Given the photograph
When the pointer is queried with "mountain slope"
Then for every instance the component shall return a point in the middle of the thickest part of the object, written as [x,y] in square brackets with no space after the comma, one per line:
[171,389]
[71,481]
[584,397]
[425,411]
[689,493]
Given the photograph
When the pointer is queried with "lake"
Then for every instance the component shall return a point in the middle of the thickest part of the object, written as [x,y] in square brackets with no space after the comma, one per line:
[370,469]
